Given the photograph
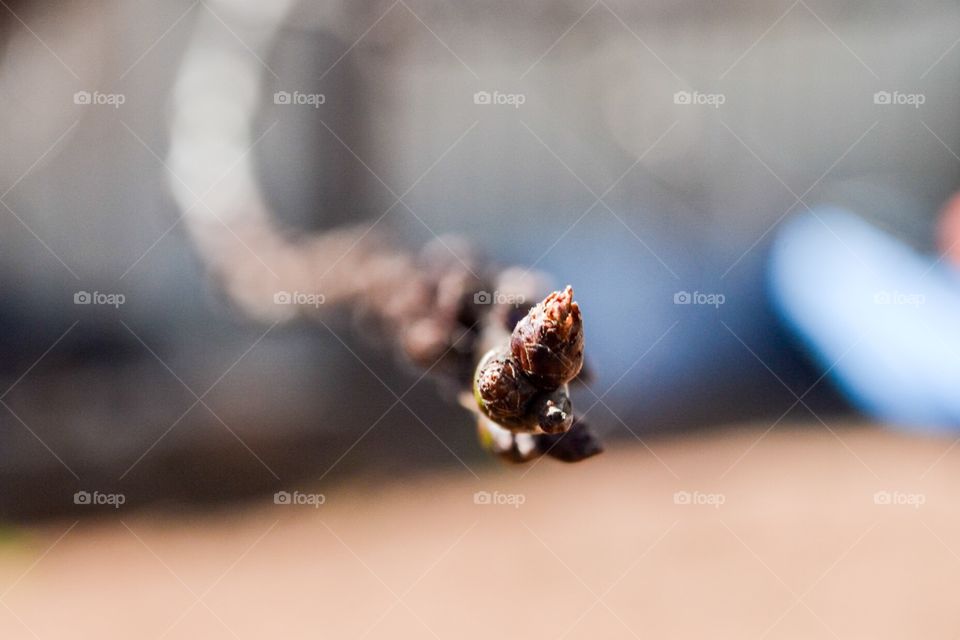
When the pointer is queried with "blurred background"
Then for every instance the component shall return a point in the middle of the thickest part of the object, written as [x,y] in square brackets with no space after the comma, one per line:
[749,200]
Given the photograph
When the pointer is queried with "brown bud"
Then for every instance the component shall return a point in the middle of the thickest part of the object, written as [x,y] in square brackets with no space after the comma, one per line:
[548,342]
[501,389]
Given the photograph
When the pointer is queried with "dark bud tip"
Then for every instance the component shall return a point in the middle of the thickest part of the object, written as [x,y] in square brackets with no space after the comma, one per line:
[554,411]
[575,445]
[501,389]
[548,341]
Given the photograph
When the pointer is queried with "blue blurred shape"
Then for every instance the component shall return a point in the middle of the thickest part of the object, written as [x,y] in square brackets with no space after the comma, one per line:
[883,319]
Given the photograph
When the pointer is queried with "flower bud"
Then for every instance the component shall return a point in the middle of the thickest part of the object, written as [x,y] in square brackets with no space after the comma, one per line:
[501,389]
[548,342]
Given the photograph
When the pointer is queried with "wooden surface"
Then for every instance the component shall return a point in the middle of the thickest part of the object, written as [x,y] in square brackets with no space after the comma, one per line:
[798,548]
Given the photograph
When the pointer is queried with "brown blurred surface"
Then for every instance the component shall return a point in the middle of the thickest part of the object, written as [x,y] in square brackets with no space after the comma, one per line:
[798,549]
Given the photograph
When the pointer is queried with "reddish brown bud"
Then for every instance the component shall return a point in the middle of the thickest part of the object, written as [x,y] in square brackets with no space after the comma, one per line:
[548,342]
[501,389]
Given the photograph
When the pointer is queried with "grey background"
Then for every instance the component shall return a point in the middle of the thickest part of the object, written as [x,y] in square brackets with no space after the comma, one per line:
[695,214]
